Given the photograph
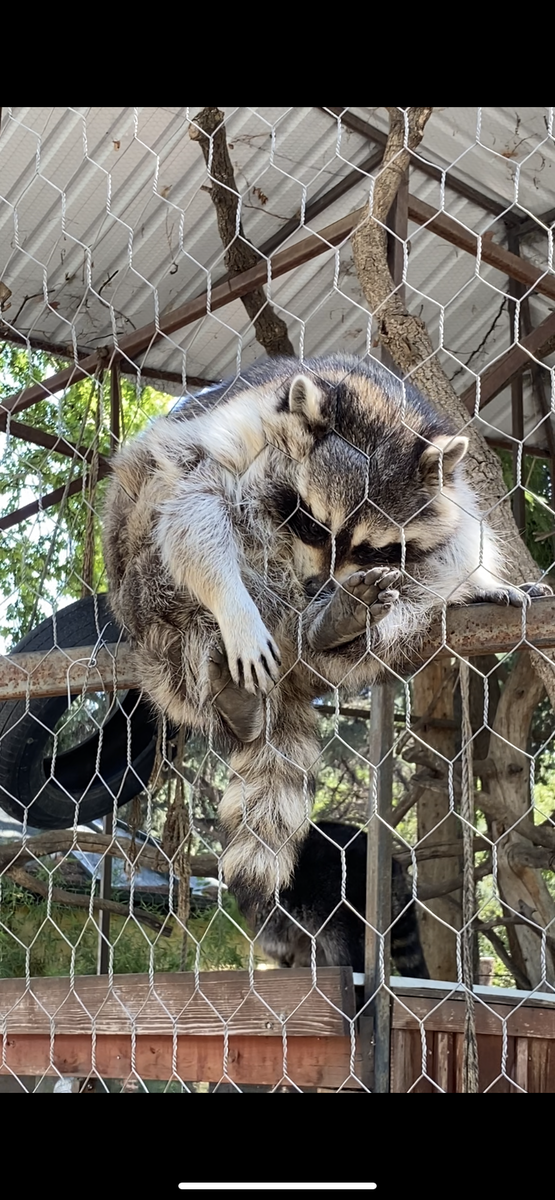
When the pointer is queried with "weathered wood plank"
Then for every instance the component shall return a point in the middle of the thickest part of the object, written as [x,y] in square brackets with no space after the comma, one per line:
[311,1061]
[447,1016]
[443,1064]
[223,1000]
[521,1064]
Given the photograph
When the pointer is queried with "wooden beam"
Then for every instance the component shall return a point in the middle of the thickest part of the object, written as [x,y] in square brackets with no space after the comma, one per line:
[491,252]
[446,1015]
[61,350]
[517,400]
[46,501]
[50,498]
[373,134]
[193,310]
[471,630]
[39,437]
[521,355]
[500,443]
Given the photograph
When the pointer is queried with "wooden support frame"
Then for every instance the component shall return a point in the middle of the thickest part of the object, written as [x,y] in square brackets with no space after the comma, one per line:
[194,1028]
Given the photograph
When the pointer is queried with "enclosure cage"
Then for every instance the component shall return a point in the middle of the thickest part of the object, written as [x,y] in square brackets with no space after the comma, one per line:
[147,255]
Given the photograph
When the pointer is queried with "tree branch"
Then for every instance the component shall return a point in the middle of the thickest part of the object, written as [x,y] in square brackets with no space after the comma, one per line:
[521,980]
[407,340]
[208,129]
[430,891]
[75,900]
[484,926]
[61,841]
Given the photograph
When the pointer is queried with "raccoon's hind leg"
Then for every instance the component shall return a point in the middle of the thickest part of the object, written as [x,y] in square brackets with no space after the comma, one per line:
[344,617]
[243,712]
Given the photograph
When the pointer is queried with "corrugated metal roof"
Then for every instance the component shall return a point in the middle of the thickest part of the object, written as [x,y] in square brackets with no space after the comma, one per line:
[106,221]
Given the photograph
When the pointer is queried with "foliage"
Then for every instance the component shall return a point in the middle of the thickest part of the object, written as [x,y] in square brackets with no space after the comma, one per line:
[42,560]
[54,940]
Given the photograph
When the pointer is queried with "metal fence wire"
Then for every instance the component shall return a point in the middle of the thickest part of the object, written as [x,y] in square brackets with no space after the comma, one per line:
[276,674]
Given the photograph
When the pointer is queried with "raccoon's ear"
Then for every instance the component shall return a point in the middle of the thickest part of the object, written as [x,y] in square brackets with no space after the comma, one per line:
[315,406]
[442,456]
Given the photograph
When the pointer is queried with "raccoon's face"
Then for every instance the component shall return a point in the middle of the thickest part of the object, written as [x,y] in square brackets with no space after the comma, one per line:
[347,508]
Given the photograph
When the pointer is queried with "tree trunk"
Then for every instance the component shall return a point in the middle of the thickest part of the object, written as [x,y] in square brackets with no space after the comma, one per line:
[433,694]
[521,888]
[406,339]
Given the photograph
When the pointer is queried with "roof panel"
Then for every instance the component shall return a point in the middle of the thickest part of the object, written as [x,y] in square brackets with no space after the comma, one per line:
[106,221]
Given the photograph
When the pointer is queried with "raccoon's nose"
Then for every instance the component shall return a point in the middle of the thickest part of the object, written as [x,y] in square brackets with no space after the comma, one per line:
[313,585]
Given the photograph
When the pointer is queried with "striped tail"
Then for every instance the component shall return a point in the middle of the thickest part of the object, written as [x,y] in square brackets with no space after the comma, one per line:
[264,812]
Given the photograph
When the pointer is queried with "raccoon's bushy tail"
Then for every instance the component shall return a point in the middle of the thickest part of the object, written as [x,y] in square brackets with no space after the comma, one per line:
[406,946]
[264,813]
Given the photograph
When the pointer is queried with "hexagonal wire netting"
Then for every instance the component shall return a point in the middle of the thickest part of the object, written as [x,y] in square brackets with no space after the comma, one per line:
[148,254]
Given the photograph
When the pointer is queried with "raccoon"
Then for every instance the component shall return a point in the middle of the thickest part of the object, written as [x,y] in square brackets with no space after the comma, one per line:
[311,906]
[290,532]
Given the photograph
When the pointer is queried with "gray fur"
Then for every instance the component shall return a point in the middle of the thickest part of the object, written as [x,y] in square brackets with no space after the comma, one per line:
[231,528]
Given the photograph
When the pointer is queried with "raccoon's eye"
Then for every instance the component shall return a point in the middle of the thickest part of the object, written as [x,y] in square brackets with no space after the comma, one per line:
[307,530]
[367,555]
[290,510]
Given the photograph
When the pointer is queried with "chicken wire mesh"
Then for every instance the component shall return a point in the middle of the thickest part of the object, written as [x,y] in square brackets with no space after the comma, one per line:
[150,254]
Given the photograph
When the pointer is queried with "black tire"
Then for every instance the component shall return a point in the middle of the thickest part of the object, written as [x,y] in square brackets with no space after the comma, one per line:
[82,788]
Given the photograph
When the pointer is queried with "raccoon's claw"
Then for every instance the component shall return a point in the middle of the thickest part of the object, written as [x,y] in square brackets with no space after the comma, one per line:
[377,589]
[536,589]
[252,655]
[385,601]
[518,597]
[240,710]
[367,585]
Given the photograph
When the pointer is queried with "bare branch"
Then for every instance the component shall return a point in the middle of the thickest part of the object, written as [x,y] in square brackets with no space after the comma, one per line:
[484,926]
[538,857]
[208,129]
[75,900]
[430,891]
[521,980]
[62,841]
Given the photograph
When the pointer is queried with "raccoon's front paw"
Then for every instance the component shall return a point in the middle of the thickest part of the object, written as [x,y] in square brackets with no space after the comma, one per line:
[243,712]
[345,616]
[252,655]
[378,589]
[517,597]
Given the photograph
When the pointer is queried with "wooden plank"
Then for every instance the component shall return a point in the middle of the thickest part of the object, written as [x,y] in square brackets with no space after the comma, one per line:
[520,1074]
[311,1061]
[406,1062]
[490,1063]
[541,1065]
[402,1072]
[448,1017]
[429,989]
[444,1061]
[174,1004]
[471,630]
